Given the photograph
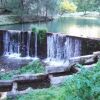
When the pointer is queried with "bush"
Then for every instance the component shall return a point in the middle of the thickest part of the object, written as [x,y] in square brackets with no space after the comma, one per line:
[33,67]
[42,35]
[34,30]
[82,86]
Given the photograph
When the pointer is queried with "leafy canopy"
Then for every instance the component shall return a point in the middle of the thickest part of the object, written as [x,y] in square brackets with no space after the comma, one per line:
[66,6]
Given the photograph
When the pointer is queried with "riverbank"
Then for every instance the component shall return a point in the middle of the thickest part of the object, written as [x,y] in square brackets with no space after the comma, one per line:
[88,14]
[13,19]
[9,19]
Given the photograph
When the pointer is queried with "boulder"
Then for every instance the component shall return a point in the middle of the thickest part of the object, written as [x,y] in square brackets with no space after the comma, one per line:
[56,69]
[3,95]
[88,59]
[97,54]
[58,80]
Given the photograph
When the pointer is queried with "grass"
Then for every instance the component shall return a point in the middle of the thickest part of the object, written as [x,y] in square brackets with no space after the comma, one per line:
[82,86]
[33,67]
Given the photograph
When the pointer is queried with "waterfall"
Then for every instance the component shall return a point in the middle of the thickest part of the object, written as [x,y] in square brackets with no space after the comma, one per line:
[11,43]
[25,44]
[18,44]
[60,47]
[19,39]
[6,42]
[28,44]
[35,44]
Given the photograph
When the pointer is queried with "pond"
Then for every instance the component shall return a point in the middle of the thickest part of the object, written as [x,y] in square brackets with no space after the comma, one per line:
[77,26]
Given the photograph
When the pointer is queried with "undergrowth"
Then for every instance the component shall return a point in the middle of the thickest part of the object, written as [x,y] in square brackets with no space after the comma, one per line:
[84,85]
[31,68]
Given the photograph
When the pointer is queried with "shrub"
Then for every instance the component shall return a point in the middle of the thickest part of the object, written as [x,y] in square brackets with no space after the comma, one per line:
[84,85]
[34,30]
[42,35]
[33,67]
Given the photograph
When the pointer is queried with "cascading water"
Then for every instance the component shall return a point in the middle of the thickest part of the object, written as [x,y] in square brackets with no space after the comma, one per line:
[28,44]
[25,44]
[11,45]
[35,44]
[19,39]
[20,44]
[6,43]
[61,48]
[14,43]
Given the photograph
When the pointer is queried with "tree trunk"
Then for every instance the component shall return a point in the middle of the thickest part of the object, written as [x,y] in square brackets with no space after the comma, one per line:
[46,14]
[85,12]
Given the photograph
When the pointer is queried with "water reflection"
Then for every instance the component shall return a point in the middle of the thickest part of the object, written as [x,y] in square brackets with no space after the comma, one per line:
[73,26]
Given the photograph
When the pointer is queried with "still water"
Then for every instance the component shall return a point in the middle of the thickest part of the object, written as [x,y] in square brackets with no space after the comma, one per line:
[77,26]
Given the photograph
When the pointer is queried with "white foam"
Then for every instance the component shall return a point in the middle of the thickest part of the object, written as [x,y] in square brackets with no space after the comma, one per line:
[18,56]
[54,62]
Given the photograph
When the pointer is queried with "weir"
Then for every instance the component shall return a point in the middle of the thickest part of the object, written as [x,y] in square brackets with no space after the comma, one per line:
[54,47]
[20,44]
[60,47]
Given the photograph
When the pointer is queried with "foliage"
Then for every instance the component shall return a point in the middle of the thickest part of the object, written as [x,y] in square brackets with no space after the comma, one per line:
[48,7]
[33,67]
[97,6]
[42,35]
[30,7]
[85,85]
[53,93]
[87,5]
[34,30]
[66,6]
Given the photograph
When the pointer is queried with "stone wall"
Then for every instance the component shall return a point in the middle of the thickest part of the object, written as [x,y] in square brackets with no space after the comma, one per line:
[89,46]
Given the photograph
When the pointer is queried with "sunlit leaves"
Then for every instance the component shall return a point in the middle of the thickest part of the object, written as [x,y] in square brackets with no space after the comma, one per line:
[66,6]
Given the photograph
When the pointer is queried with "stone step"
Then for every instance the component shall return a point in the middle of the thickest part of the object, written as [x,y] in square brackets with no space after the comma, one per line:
[6,85]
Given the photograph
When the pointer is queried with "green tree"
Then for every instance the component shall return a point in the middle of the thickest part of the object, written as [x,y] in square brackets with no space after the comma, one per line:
[85,5]
[66,6]
[97,6]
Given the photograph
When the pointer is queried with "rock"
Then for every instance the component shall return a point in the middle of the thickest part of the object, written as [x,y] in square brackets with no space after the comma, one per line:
[39,76]
[5,82]
[3,95]
[58,69]
[58,80]
[88,59]
[2,70]
[31,80]
[5,85]
[97,54]
[90,66]
[12,94]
